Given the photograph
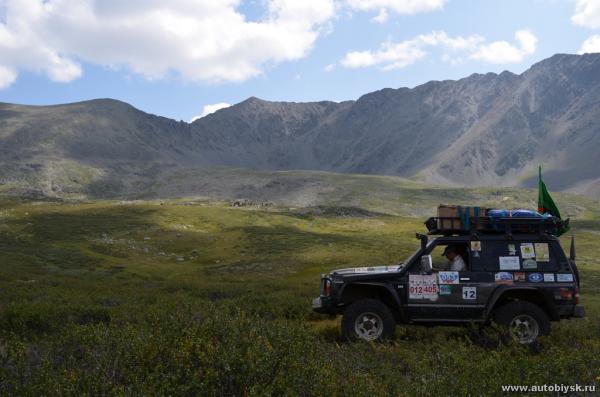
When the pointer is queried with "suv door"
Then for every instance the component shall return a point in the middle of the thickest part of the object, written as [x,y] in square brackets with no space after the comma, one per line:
[447,295]
[476,284]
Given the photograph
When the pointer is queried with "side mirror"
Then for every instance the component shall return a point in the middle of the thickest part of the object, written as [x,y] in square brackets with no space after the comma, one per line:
[426,264]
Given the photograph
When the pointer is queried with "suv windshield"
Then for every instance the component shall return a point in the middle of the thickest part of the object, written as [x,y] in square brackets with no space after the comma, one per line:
[410,258]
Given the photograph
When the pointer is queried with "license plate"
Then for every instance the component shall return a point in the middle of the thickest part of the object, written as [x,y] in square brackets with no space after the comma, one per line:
[316,303]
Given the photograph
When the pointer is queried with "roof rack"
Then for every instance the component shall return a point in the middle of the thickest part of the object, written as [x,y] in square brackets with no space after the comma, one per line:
[493,225]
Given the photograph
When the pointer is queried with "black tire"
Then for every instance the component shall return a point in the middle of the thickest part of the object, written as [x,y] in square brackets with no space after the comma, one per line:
[521,319]
[368,319]
[484,336]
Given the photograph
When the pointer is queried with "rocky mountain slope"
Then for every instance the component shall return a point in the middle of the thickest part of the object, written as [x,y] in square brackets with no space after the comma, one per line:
[483,130]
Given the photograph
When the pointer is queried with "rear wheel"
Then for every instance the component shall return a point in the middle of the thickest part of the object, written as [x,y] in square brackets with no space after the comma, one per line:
[524,321]
[368,319]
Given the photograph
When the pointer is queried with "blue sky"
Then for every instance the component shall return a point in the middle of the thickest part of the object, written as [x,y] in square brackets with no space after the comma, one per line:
[281,50]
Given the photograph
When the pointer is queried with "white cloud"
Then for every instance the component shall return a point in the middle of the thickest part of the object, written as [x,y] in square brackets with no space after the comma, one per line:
[382,17]
[208,109]
[330,67]
[199,40]
[21,47]
[408,7]
[591,44]
[398,55]
[361,59]
[587,14]
[7,76]
[504,52]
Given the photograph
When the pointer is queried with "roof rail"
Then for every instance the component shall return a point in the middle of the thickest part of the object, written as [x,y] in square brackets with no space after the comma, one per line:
[493,225]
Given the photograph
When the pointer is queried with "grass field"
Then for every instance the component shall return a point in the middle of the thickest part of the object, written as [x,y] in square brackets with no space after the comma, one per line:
[198,298]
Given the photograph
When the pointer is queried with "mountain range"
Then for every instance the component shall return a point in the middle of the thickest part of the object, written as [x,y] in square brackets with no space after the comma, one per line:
[482,130]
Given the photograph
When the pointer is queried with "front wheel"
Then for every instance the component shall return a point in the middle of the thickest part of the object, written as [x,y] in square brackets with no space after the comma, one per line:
[368,319]
[525,321]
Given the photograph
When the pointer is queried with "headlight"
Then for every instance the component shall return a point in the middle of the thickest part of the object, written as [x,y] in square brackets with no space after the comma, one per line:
[326,287]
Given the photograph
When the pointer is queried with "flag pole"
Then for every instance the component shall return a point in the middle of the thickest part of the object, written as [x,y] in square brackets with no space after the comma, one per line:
[540,199]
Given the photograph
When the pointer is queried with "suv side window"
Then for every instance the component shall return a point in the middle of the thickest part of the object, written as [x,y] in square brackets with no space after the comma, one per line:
[558,255]
[542,257]
[441,262]
[532,256]
[484,255]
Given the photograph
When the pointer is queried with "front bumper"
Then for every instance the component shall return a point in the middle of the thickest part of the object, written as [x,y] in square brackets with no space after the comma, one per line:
[323,305]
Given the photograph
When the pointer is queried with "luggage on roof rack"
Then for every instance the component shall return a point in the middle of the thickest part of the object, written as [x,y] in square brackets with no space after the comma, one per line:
[468,220]
[456,217]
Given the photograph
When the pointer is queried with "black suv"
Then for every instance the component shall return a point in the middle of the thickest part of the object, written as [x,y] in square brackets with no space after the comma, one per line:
[518,277]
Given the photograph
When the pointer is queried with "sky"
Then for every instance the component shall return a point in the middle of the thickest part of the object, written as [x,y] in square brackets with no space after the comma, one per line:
[183,59]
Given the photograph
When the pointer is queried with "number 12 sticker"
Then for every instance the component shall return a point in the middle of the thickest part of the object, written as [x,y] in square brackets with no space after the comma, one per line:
[469,292]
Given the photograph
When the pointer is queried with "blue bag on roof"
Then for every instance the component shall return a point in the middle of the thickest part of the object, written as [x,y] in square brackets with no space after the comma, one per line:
[516,213]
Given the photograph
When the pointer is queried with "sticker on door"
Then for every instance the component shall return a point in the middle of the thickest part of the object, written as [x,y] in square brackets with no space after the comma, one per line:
[469,292]
[422,287]
[448,277]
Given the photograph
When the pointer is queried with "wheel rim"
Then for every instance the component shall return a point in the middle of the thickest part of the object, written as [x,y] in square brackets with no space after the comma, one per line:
[524,328]
[368,326]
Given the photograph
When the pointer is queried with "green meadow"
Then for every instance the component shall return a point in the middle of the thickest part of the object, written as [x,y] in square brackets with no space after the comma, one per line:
[196,297]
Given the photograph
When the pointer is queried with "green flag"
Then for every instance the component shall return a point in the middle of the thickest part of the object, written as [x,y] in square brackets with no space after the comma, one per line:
[546,206]
[545,202]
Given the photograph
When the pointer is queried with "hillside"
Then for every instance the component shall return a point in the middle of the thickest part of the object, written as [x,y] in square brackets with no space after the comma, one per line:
[483,130]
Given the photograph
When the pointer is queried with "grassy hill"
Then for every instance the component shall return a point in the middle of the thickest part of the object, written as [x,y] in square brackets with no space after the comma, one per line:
[197,297]
[386,194]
